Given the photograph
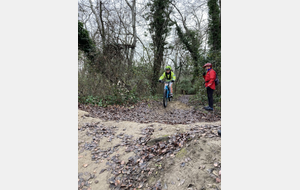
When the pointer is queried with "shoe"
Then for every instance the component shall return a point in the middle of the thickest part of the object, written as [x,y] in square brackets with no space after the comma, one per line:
[206,107]
[210,109]
[171,95]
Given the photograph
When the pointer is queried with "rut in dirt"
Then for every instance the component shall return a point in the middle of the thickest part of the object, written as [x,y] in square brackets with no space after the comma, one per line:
[178,111]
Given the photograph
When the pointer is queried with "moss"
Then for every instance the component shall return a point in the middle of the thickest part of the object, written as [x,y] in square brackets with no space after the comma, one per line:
[181,153]
[156,140]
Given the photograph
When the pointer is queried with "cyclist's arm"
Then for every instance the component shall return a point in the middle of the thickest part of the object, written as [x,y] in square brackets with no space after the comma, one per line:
[173,76]
[162,76]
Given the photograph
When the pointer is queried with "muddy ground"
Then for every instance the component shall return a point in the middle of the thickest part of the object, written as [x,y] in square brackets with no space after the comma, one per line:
[197,164]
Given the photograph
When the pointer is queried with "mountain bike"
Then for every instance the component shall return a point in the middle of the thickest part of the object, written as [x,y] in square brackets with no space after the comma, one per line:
[166,94]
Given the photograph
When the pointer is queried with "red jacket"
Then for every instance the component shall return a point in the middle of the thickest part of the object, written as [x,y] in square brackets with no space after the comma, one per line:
[210,79]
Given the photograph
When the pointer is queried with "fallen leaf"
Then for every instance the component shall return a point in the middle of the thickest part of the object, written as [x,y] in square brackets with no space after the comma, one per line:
[215,173]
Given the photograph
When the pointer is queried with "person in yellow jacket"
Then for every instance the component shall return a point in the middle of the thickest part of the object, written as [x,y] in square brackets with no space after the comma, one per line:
[170,77]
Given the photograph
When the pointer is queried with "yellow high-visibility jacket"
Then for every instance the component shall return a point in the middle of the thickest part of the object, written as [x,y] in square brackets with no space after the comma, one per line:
[169,76]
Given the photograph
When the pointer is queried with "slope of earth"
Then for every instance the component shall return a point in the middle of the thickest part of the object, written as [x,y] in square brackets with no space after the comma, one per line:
[130,155]
[177,112]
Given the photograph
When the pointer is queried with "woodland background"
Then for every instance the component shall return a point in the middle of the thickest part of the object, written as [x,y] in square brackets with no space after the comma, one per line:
[124,46]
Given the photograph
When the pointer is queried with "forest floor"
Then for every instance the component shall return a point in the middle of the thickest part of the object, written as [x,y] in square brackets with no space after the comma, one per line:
[147,146]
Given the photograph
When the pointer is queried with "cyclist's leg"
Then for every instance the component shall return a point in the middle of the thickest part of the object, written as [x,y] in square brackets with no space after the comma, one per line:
[171,88]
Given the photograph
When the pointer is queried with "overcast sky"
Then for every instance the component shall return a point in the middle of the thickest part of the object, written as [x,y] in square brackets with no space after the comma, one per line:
[185,7]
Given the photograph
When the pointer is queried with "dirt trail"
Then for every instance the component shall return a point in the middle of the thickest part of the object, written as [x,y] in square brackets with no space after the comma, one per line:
[177,112]
[191,168]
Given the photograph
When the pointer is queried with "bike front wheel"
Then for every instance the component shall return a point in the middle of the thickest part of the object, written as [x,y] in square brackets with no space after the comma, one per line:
[165,99]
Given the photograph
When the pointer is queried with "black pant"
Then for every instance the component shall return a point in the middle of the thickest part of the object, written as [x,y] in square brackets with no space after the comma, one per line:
[210,96]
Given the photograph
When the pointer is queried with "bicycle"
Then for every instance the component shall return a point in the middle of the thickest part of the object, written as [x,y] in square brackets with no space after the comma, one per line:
[166,94]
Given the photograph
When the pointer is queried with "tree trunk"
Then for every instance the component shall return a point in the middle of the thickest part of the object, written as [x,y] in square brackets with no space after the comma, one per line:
[99,20]
[133,13]
[156,69]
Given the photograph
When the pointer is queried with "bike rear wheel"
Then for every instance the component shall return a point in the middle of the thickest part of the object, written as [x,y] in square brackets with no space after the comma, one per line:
[165,99]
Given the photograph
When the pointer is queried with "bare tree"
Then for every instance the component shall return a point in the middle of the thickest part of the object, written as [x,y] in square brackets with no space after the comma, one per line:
[99,20]
[133,18]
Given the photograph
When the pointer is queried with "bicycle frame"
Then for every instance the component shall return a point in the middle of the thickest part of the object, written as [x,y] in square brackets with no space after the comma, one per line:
[167,88]
[166,93]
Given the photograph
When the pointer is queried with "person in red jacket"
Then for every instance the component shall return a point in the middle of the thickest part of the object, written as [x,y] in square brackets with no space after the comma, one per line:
[210,85]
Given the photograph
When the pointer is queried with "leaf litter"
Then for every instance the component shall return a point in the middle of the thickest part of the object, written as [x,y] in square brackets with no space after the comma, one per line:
[134,172]
[142,113]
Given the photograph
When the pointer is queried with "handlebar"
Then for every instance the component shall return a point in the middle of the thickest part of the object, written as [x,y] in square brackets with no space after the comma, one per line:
[165,81]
